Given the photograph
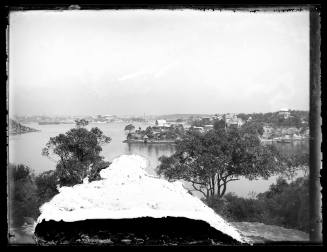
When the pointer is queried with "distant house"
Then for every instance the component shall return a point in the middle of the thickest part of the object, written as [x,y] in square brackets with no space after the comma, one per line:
[307,132]
[208,127]
[284,112]
[229,116]
[156,129]
[240,122]
[232,120]
[198,129]
[145,138]
[161,123]
[267,132]
[220,117]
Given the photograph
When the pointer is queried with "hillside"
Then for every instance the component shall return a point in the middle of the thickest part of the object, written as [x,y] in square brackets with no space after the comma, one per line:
[17,128]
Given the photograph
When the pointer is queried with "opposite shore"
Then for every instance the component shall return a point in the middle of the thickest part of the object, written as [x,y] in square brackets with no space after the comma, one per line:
[150,141]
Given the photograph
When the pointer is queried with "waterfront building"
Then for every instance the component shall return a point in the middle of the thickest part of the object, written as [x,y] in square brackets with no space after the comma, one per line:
[208,127]
[284,112]
[161,123]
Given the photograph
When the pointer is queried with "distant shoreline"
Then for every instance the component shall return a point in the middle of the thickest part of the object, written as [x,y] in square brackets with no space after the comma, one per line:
[150,142]
[284,140]
[16,128]
[22,132]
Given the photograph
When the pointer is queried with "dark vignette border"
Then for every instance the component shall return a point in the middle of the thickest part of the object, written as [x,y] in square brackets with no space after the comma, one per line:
[316,144]
[315,193]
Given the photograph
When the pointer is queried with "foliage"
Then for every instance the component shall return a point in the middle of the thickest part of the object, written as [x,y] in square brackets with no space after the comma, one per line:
[253,127]
[149,132]
[201,122]
[210,161]
[129,127]
[46,184]
[22,194]
[81,123]
[243,116]
[288,204]
[219,124]
[284,204]
[275,120]
[78,151]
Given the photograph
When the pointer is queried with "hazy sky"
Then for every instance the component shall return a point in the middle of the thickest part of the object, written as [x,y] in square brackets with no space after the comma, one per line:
[157,62]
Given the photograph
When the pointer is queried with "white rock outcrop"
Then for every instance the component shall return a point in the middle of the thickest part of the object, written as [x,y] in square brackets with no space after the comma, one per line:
[127,191]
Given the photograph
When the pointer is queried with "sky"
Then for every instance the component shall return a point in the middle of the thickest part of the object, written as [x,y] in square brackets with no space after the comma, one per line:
[135,62]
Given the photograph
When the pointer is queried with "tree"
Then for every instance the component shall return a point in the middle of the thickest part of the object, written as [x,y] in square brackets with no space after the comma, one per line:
[288,204]
[219,124]
[22,194]
[212,160]
[78,154]
[81,123]
[129,127]
[253,128]
[243,116]
[46,184]
[149,132]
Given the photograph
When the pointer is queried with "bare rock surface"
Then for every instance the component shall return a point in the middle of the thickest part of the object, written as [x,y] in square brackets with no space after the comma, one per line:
[126,191]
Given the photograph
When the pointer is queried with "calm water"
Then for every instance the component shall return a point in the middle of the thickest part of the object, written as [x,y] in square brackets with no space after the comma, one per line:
[26,149]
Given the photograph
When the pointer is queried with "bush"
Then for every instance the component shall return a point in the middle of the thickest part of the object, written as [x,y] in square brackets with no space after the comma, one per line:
[46,184]
[22,200]
[283,204]
[289,206]
[235,208]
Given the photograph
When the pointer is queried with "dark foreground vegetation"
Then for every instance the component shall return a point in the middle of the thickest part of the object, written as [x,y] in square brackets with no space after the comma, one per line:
[284,204]
[77,157]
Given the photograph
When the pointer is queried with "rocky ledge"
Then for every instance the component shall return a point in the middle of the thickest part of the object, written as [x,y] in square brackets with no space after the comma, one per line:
[129,206]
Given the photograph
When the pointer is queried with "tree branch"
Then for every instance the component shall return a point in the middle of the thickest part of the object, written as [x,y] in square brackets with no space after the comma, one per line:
[193,185]
[231,180]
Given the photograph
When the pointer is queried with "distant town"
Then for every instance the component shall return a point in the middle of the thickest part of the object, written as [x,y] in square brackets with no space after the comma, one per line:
[283,125]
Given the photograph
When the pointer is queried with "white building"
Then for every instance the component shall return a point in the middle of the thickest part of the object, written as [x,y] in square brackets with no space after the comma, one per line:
[161,123]
[208,127]
[284,112]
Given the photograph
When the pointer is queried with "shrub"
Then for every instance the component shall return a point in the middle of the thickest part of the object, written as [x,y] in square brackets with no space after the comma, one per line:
[284,204]
[46,184]
[22,200]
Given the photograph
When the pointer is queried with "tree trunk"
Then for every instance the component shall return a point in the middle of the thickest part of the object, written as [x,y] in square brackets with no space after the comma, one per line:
[224,190]
[218,187]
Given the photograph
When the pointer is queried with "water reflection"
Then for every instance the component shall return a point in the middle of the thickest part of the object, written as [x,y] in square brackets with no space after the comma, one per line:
[151,152]
[26,149]
[295,147]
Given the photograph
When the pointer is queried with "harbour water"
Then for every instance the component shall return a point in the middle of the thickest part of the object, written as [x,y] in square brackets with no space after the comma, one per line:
[26,149]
